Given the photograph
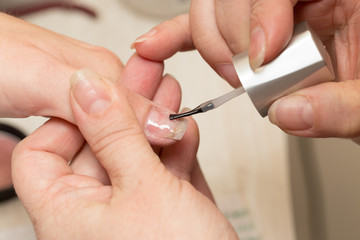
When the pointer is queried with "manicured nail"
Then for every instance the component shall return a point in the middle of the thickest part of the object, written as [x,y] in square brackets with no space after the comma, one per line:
[293,113]
[159,126]
[257,48]
[227,71]
[143,38]
[90,92]
[185,109]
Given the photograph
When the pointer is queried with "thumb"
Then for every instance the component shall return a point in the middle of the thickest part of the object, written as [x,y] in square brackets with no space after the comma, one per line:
[325,110]
[104,113]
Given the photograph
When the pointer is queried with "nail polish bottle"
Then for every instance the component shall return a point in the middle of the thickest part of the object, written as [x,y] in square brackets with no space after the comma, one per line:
[303,63]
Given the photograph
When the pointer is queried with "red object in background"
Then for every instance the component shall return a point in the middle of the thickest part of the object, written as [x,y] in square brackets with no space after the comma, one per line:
[9,137]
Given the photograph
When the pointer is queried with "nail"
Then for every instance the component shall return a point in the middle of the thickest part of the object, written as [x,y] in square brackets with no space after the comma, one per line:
[185,109]
[227,72]
[257,48]
[90,92]
[292,113]
[159,126]
[143,38]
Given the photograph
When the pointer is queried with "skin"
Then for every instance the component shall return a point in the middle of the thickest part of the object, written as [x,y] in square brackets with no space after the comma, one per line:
[32,57]
[149,196]
[158,189]
[326,110]
[36,64]
[334,108]
[334,112]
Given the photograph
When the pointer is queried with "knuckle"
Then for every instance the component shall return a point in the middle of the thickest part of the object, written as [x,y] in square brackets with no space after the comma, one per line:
[109,61]
[255,4]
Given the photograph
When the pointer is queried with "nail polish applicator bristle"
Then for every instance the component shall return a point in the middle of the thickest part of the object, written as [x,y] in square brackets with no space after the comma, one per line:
[303,63]
[211,104]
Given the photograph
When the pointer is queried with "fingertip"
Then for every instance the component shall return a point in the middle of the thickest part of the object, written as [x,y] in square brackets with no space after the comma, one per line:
[292,113]
[326,110]
[193,132]
[142,75]
[168,94]
[165,40]
[181,157]
[160,130]
[257,47]
[143,38]
[227,72]
[270,31]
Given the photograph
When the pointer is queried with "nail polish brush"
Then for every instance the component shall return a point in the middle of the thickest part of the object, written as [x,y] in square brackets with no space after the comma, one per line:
[303,63]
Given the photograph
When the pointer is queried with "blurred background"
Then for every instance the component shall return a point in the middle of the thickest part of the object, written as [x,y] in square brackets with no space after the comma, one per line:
[269,185]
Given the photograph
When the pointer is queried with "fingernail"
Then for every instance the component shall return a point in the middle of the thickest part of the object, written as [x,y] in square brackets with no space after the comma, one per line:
[159,126]
[257,48]
[143,38]
[90,92]
[227,71]
[292,113]
[185,109]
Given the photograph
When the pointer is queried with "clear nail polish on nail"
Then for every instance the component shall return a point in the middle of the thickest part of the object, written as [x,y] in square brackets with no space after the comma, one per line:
[160,128]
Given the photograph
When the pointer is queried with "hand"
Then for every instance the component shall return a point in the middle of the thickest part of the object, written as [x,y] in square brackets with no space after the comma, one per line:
[36,64]
[150,196]
[325,110]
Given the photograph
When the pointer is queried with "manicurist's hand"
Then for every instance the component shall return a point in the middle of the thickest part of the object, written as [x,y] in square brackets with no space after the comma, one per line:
[149,195]
[219,29]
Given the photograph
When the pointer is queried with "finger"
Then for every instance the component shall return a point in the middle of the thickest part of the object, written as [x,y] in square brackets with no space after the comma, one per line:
[209,41]
[85,163]
[165,40]
[197,179]
[142,76]
[325,110]
[36,163]
[271,26]
[319,15]
[109,124]
[181,157]
[21,94]
[233,20]
[168,94]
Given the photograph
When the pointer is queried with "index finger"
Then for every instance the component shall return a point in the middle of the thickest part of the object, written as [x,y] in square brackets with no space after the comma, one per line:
[233,17]
[271,26]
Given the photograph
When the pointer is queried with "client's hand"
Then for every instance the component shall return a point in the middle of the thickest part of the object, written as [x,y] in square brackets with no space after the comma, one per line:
[150,196]
[35,65]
